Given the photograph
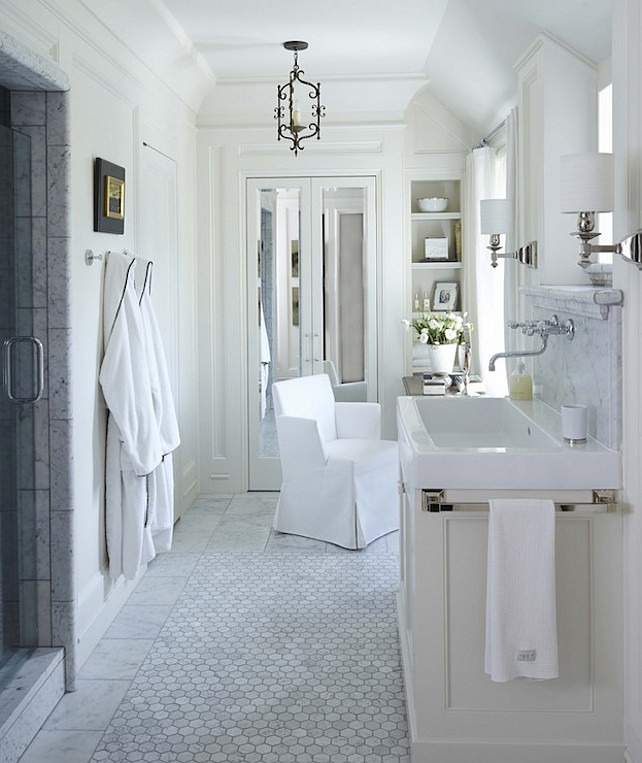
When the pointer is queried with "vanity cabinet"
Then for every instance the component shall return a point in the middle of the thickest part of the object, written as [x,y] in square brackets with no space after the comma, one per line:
[456,714]
[434,243]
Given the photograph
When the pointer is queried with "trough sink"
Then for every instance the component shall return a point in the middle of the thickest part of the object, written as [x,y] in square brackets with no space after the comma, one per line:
[496,443]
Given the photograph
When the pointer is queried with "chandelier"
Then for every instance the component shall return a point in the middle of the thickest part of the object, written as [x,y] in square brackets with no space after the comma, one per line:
[290,124]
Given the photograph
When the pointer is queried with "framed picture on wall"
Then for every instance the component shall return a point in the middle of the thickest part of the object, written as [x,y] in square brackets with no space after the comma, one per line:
[445,297]
[109,197]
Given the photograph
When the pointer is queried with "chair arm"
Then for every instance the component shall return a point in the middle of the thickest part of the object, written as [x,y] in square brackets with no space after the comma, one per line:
[300,444]
[358,420]
[351,392]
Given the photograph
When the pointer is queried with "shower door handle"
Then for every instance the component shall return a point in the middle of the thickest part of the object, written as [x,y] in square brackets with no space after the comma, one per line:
[39,370]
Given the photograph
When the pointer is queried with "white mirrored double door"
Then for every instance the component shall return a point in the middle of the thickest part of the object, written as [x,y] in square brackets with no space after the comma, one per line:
[311,265]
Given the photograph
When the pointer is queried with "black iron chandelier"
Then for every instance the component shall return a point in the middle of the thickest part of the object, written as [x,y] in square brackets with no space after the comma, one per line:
[290,125]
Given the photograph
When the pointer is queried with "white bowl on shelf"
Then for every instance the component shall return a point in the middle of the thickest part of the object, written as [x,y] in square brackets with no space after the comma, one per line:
[432,204]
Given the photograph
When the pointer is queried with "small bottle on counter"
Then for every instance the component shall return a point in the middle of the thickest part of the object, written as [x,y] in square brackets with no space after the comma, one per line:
[416,305]
[426,302]
[520,384]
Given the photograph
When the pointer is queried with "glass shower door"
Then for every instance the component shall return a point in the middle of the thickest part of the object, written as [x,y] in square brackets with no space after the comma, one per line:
[21,386]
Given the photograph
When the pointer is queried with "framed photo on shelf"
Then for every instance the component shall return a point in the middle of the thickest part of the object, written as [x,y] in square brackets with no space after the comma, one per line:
[436,248]
[109,197]
[445,297]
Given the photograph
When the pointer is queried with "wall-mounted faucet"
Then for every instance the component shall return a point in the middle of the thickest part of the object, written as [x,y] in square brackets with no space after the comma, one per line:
[543,329]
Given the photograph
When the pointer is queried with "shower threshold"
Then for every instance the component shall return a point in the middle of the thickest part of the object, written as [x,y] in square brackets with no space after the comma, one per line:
[32,681]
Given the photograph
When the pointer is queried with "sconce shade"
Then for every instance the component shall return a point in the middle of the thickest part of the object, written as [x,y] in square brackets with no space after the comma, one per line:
[586,182]
[494,216]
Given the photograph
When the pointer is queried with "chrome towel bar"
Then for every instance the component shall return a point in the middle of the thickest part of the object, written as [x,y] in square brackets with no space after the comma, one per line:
[580,501]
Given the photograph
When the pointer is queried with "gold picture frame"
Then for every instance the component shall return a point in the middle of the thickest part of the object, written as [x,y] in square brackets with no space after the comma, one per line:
[109,197]
[114,198]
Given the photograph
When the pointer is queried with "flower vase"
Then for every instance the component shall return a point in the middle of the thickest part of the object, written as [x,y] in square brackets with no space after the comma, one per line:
[442,357]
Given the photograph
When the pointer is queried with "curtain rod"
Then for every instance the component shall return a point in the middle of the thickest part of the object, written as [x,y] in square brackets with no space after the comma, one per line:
[158,151]
[485,141]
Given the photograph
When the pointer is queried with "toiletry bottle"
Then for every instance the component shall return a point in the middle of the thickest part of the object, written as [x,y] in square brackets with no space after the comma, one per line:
[520,384]
[416,304]
[426,305]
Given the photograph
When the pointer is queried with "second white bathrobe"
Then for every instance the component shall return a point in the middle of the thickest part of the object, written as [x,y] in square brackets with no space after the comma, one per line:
[160,483]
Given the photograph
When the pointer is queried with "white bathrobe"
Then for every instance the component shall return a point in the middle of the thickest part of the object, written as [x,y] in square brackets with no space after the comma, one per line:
[134,444]
[160,482]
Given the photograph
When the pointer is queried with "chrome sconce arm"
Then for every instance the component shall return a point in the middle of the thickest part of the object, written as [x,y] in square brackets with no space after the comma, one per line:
[526,255]
[494,216]
[629,248]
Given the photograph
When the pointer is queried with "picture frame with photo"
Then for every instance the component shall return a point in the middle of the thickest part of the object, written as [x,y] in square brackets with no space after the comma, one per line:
[445,297]
[109,197]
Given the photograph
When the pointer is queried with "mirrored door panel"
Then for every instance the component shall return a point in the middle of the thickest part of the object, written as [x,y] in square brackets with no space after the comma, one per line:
[311,297]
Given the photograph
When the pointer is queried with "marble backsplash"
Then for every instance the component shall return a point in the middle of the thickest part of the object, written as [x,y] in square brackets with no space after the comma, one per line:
[587,370]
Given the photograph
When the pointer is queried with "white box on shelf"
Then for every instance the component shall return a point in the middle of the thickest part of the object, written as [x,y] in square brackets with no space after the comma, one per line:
[436,248]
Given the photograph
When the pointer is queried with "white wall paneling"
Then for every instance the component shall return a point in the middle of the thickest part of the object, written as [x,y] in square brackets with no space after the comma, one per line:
[627,142]
[226,159]
[552,80]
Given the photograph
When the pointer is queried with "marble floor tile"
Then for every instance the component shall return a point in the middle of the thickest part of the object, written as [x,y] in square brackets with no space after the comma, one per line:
[116,658]
[285,543]
[271,658]
[139,621]
[186,541]
[257,514]
[200,520]
[238,536]
[172,565]
[52,746]
[90,707]
[213,502]
[157,590]
[252,503]
[187,673]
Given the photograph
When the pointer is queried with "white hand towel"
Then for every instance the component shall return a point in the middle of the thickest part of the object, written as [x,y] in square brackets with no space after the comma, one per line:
[521,621]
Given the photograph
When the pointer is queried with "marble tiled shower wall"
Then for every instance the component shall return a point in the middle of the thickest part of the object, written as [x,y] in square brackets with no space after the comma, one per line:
[587,370]
[48,566]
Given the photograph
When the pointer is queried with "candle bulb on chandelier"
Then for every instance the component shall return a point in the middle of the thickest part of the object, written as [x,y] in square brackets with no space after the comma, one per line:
[296,116]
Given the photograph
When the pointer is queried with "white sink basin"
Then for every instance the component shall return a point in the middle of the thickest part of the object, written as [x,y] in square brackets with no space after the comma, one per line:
[496,443]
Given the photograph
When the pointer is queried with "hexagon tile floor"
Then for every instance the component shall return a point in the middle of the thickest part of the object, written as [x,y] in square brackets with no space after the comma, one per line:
[282,658]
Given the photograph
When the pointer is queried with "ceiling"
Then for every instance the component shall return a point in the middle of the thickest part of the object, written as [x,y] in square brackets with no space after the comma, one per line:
[465,48]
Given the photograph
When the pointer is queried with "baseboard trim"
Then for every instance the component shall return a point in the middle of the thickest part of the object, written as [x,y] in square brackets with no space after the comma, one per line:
[101,601]
[480,751]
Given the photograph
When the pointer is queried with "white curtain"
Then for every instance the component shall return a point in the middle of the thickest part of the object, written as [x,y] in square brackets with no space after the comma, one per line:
[515,272]
[484,285]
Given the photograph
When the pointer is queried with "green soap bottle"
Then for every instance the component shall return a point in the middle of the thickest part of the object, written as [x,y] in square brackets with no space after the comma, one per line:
[520,384]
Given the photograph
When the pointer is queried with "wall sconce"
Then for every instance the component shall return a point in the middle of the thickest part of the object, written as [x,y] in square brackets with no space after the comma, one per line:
[586,187]
[290,125]
[494,217]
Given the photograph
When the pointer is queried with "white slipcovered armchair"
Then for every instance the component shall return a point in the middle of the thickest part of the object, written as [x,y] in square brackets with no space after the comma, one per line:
[339,477]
